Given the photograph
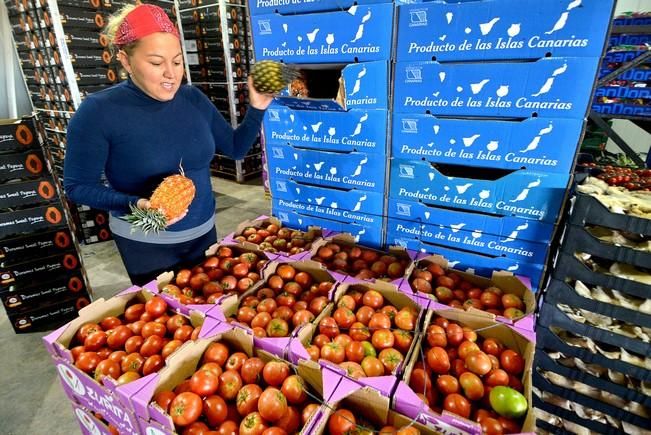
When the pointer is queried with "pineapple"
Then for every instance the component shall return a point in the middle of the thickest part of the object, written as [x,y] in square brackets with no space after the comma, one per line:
[270,77]
[169,201]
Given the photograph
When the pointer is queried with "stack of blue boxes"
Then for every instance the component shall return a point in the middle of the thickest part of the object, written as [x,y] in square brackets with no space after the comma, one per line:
[489,104]
[328,154]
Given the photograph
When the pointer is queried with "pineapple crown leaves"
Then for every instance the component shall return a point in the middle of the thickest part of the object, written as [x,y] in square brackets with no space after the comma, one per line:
[147,220]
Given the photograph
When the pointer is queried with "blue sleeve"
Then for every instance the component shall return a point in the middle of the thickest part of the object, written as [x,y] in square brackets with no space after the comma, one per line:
[234,143]
[86,154]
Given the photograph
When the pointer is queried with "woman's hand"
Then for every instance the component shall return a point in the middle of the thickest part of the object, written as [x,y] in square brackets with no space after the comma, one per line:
[257,100]
[144,205]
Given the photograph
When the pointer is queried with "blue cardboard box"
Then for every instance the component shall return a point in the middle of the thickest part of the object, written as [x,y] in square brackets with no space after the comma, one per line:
[529,194]
[366,233]
[356,34]
[509,245]
[259,7]
[550,87]
[341,170]
[482,265]
[632,92]
[622,109]
[502,29]
[535,143]
[355,130]
[506,227]
[323,201]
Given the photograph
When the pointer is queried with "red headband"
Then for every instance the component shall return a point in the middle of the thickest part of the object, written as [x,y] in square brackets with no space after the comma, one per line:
[142,21]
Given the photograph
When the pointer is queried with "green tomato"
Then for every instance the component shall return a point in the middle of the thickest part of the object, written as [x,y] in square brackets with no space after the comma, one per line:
[369,350]
[508,402]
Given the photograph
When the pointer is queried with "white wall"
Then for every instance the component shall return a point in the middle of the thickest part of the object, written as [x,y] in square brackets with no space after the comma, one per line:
[14,101]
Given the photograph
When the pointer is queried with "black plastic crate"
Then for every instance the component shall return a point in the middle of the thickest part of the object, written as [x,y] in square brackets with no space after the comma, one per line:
[19,299]
[578,239]
[40,269]
[547,341]
[587,210]
[48,317]
[24,165]
[544,385]
[543,361]
[18,135]
[28,193]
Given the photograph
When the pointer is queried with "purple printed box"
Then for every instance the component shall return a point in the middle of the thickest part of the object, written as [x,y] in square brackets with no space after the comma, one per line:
[88,423]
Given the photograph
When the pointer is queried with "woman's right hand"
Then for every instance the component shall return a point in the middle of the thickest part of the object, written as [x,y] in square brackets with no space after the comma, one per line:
[143,204]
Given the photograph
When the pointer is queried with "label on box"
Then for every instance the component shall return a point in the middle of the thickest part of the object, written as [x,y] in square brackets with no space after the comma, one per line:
[18,249]
[502,29]
[27,193]
[28,164]
[538,144]
[528,194]
[38,269]
[549,87]
[17,135]
[346,170]
[359,33]
[21,298]
[355,130]
[30,220]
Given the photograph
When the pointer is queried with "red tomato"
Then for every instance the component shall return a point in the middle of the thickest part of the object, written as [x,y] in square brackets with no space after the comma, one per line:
[346,301]
[117,336]
[436,336]
[379,321]
[438,360]
[151,346]
[164,398]
[308,412]
[512,362]
[355,352]
[321,340]
[95,341]
[215,410]
[359,332]
[261,320]
[196,428]
[185,408]
[251,370]
[290,421]
[333,352]
[170,347]
[454,334]
[420,381]
[152,364]
[277,328]
[110,322]
[302,317]
[272,404]
[341,422]
[133,343]
[133,363]
[497,377]
[344,317]
[153,328]
[217,353]
[457,404]
[373,299]
[478,363]
[491,426]
[156,306]
[405,319]
[252,424]
[390,359]
[372,366]
[107,368]
[466,348]
[247,399]
[204,383]
[382,339]
[492,346]
[472,386]
[235,361]
[447,384]
[133,313]
[364,314]
[230,383]
[275,373]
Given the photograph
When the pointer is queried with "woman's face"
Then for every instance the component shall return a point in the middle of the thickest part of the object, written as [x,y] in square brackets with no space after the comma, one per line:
[156,65]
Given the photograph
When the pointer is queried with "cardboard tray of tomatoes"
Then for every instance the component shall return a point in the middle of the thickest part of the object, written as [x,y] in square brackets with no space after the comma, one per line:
[42,244]
[18,134]
[568,266]
[283,286]
[42,269]
[510,300]
[577,239]
[542,384]
[19,298]
[559,292]
[382,321]
[516,354]
[30,220]
[28,164]
[587,210]
[551,316]
[568,415]
[101,332]
[225,366]
[268,234]
[542,361]
[548,341]
[340,253]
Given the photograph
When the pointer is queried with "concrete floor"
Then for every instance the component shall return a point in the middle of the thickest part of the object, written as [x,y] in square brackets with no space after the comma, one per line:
[34,402]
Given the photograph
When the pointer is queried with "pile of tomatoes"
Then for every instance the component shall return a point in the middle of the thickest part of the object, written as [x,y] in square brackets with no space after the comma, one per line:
[272,238]
[362,263]
[221,274]
[231,392]
[132,345]
[460,370]
[450,289]
[289,299]
[344,422]
[365,334]
[629,178]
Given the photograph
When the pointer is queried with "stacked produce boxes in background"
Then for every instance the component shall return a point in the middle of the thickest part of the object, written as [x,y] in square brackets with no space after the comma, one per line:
[592,358]
[217,55]
[482,152]
[64,57]
[630,92]
[326,136]
[42,281]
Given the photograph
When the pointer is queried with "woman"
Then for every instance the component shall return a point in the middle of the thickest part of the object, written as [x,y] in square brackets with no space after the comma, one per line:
[140,131]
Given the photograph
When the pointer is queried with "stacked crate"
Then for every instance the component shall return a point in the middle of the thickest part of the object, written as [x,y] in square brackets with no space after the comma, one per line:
[42,281]
[217,54]
[629,93]
[482,152]
[592,357]
[327,149]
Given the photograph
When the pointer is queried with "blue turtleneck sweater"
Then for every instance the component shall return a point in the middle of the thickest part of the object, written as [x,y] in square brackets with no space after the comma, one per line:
[137,141]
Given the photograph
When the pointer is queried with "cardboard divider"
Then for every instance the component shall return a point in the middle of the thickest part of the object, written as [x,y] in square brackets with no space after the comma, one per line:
[568,266]
[562,293]
[543,362]
[548,341]
[506,281]
[552,316]
[346,240]
[406,401]
[543,384]
[578,239]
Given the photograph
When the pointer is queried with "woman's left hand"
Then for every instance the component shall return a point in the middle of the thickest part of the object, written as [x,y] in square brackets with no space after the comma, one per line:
[256,99]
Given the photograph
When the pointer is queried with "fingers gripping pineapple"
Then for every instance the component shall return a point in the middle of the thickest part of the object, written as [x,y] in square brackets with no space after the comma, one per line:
[272,77]
[168,204]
